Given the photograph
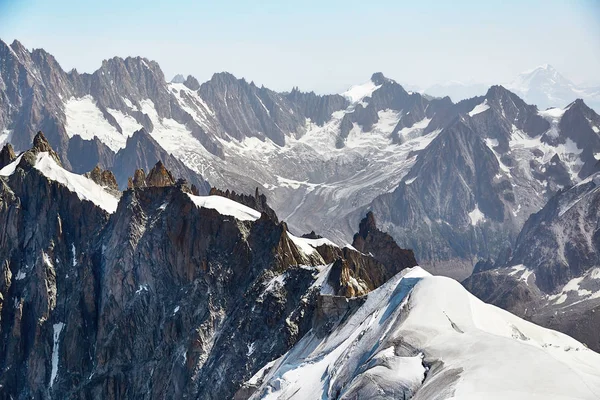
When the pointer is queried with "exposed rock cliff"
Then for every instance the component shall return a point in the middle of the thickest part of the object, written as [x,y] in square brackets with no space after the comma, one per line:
[156,296]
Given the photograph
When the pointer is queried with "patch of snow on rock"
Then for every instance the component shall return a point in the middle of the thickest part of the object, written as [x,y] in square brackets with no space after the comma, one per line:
[476,216]
[478,109]
[358,92]
[225,206]
[57,329]
[9,169]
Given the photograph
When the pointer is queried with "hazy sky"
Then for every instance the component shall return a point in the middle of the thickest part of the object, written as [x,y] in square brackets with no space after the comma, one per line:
[318,45]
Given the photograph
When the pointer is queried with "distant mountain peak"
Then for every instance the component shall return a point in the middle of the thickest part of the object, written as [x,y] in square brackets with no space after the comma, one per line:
[178,79]
[543,67]
[379,79]
[546,87]
[357,93]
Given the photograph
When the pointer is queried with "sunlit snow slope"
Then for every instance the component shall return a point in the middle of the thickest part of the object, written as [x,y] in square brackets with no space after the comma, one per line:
[425,337]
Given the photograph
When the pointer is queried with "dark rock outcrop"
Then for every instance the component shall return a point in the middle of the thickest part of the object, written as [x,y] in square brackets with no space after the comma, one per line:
[381,246]
[162,291]
[192,83]
[7,155]
[41,145]
[558,246]
[143,152]
[103,178]
[84,155]
[312,235]
[159,176]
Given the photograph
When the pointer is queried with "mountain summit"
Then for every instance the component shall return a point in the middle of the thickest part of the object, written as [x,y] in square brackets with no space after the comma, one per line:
[545,87]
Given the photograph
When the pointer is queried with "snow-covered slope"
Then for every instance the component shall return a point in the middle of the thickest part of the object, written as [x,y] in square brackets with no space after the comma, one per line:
[358,92]
[225,206]
[85,188]
[425,337]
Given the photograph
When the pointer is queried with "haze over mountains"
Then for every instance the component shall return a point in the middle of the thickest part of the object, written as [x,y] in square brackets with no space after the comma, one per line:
[543,86]
[191,284]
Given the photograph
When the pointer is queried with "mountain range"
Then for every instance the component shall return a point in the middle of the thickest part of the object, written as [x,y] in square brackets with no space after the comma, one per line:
[165,231]
[323,161]
[158,292]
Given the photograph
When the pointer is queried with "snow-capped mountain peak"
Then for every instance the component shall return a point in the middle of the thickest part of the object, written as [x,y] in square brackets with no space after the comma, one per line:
[357,93]
[414,330]
[545,75]
[546,87]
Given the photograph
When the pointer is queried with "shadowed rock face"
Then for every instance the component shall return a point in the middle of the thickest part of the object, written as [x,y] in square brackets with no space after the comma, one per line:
[155,300]
[84,155]
[47,238]
[381,246]
[7,155]
[434,210]
[143,152]
[317,108]
[551,276]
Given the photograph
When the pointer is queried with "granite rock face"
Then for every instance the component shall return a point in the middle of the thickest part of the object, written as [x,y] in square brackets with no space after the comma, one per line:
[7,155]
[381,246]
[159,176]
[162,298]
[551,277]
[103,178]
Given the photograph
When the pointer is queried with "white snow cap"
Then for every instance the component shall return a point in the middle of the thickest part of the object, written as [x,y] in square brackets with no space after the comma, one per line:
[483,352]
[308,246]
[478,109]
[358,92]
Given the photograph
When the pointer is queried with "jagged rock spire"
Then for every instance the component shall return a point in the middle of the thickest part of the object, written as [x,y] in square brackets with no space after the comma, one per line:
[192,83]
[370,240]
[367,225]
[41,144]
[160,176]
[139,179]
[7,155]
[103,178]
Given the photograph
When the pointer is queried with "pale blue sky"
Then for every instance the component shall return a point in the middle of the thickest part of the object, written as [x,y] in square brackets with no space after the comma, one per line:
[318,45]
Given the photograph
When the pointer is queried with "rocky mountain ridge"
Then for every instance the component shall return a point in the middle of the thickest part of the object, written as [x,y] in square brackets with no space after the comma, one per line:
[156,291]
[552,276]
[322,160]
